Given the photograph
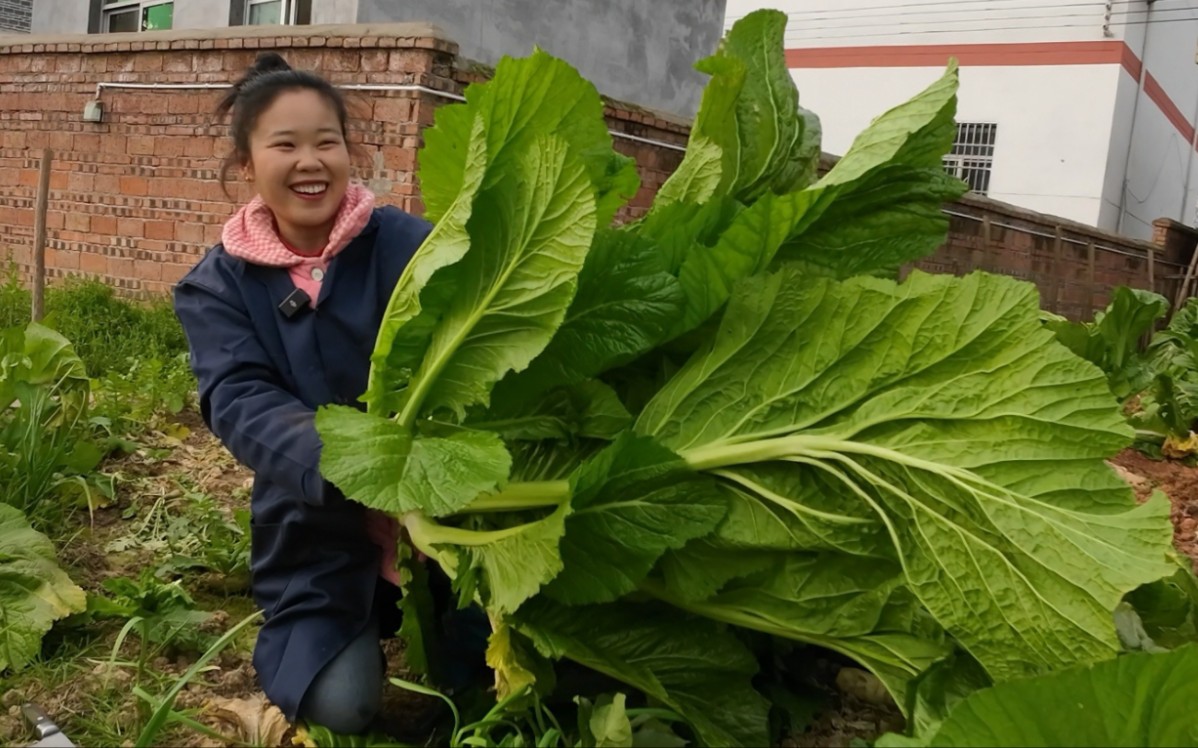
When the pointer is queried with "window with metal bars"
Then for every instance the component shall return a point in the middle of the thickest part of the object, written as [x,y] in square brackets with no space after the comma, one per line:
[972,155]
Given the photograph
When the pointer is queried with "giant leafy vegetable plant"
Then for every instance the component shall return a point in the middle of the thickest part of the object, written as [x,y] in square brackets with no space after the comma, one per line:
[632,443]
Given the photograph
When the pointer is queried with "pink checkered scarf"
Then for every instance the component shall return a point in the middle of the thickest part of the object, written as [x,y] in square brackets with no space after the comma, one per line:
[251,235]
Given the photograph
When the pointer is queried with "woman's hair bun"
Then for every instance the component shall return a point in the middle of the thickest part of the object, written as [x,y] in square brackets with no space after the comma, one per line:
[268,62]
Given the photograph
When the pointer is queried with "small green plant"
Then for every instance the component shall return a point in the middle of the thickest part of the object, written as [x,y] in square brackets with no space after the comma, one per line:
[107,329]
[220,545]
[194,533]
[45,441]
[160,613]
[142,395]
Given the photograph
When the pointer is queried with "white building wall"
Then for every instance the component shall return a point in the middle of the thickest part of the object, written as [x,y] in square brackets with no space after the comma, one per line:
[1066,143]
[1054,123]
[833,23]
[1162,167]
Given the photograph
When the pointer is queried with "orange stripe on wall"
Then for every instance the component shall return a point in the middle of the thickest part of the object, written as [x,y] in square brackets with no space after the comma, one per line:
[936,55]
[1013,54]
[1160,97]
[1131,62]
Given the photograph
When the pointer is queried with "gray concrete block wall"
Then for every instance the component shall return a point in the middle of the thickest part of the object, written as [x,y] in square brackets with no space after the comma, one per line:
[334,11]
[60,16]
[637,51]
[15,15]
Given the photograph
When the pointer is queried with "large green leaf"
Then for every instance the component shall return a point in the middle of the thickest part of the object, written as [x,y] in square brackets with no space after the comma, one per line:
[874,225]
[590,409]
[626,300]
[749,118]
[856,606]
[941,406]
[518,179]
[527,98]
[504,567]
[377,462]
[631,503]
[1136,700]
[687,663]
[396,357]
[34,591]
[877,209]
[916,133]
[498,307]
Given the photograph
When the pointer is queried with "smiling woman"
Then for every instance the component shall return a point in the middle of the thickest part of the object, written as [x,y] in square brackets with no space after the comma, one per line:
[323,567]
[289,143]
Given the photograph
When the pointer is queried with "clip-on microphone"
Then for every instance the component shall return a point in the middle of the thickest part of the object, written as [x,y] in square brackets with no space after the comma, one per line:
[295,302]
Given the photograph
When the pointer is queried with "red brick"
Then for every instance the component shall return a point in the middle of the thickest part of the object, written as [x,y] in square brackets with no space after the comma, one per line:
[148,62]
[400,159]
[340,61]
[170,147]
[172,273]
[108,184]
[134,186]
[78,221]
[120,267]
[92,262]
[62,259]
[150,270]
[141,145]
[192,233]
[374,61]
[131,227]
[104,226]
[177,62]
[393,110]
[164,230]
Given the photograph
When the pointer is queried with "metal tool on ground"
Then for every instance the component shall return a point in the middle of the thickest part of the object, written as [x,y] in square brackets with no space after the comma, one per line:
[49,735]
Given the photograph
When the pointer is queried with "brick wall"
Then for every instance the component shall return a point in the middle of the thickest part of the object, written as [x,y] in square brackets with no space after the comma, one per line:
[15,15]
[1074,266]
[135,199]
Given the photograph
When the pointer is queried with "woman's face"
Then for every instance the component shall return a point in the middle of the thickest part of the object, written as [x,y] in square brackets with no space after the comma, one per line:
[299,164]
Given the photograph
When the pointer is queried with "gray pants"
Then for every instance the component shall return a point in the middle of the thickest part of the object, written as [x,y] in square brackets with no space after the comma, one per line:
[347,694]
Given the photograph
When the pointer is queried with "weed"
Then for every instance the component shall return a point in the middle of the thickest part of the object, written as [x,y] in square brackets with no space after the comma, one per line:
[142,396]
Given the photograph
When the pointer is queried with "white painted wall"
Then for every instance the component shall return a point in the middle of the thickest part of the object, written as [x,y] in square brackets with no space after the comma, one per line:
[1054,123]
[835,23]
[1160,158]
[1066,140]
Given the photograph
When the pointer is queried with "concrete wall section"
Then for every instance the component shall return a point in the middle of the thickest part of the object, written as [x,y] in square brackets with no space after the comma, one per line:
[60,16]
[834,23]
[632,50]
[335,11]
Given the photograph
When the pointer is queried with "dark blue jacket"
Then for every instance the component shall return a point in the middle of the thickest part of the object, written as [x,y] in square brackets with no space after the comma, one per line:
[261,377]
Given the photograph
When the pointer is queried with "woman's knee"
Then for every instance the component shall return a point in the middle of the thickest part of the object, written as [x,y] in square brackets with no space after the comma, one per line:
[347,694]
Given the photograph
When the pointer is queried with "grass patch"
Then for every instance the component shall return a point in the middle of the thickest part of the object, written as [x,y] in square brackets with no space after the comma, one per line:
[106,330]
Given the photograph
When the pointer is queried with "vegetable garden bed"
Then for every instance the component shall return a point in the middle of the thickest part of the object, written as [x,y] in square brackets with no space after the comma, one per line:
[716,476]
